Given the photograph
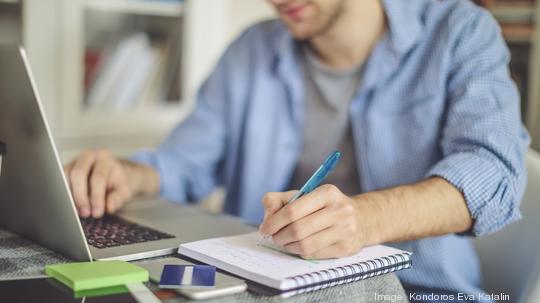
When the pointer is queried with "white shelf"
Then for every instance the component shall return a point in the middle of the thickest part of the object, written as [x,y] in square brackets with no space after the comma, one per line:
[165,8]
[513,13]
[147,121]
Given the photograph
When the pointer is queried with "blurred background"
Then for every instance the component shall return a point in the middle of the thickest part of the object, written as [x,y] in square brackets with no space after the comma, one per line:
[119,74]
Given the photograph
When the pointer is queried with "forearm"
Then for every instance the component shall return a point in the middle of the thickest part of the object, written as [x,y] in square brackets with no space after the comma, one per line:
[431,207]
[143,179]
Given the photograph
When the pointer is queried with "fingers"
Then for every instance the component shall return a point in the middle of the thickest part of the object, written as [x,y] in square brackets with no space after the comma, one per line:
[274,201]
[300,208]
[333,251]
[325,244]
[83,210]
[118,192]
[96,180]
[116,199]
[322,224]
[98,184]
[305,227]
[314,243]
[78,176]
[67,173]
[67,169]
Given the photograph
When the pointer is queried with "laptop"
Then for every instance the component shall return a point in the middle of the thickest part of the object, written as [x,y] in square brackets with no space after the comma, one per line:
[35,201]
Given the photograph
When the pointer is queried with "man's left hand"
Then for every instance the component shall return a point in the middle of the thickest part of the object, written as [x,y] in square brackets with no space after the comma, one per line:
[322,224]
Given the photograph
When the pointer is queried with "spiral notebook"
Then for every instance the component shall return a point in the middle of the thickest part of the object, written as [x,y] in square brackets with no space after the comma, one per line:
[285,274]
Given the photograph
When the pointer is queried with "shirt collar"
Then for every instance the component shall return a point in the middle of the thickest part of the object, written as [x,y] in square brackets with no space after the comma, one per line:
[286,65]
[405,28]
[405,24]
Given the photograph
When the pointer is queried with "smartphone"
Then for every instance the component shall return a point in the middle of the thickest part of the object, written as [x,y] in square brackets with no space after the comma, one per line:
[225,284]
[50,290]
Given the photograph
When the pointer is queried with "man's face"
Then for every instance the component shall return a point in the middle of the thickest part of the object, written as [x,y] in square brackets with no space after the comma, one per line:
[308,18]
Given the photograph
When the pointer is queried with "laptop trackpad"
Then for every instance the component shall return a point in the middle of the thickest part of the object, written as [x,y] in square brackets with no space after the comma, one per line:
[188,223]
[204,227]
[153,211]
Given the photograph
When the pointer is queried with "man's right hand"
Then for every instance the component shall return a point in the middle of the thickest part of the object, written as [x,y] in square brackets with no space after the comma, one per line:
[101,182]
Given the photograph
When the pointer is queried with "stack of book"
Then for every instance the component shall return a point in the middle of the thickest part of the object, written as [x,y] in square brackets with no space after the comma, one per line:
[133,73]
[517,19]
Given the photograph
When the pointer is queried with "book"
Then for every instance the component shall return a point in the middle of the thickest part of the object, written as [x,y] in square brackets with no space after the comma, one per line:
[154,91]
[286,274]
[84,276]
[124,74]
[517,34]
[511,12]
[136,76]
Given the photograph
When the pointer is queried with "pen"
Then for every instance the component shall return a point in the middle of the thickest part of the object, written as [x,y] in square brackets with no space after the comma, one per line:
[315,180]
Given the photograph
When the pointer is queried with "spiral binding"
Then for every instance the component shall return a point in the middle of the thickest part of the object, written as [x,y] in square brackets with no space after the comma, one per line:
[349,273]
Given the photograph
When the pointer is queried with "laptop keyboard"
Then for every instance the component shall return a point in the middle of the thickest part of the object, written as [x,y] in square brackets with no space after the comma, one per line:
[111,231]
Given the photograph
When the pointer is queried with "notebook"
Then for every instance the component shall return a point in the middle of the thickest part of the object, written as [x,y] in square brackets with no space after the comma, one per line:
[288,274]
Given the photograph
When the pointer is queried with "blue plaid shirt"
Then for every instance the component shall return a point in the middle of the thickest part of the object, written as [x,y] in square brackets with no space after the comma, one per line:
[436,100]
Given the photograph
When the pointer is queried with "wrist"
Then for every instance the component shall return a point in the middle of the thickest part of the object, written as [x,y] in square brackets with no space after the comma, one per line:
[371,219]
[142,179]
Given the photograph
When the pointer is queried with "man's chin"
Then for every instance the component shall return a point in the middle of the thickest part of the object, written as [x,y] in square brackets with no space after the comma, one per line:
[301,33]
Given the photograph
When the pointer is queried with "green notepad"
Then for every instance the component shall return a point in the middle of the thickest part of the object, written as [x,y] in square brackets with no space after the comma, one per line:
[108,291]
[93,275]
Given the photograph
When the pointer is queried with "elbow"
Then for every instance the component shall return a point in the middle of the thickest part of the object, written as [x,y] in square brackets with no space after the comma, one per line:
[500,203]
[492,189]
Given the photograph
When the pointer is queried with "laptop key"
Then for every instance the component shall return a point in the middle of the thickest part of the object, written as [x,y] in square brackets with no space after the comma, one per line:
[111,231]
[98,245]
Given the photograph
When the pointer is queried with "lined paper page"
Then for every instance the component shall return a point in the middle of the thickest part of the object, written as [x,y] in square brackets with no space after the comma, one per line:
[241,255]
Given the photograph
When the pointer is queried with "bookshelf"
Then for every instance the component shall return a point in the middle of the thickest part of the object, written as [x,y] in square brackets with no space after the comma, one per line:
[140,7]
[118,44]
[56,34]
[518,20]
[533,115]
[120,74]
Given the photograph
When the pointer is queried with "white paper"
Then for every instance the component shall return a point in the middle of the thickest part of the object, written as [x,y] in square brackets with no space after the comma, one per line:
[268,265]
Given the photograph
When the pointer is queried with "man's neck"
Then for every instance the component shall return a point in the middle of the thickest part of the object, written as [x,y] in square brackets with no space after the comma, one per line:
[352,37]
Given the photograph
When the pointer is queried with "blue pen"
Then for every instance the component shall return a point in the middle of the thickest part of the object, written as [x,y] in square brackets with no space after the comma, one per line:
[316,179]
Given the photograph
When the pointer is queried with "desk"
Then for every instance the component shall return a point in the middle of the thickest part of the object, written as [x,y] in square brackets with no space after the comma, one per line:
[21,258]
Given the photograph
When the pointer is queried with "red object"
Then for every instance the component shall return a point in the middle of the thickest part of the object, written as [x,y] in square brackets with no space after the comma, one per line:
[92,61]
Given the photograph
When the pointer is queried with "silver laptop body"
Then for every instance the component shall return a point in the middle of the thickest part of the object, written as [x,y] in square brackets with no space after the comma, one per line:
[35,201]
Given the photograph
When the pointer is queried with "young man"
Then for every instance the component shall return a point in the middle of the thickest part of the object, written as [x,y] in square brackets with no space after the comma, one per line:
[417,96]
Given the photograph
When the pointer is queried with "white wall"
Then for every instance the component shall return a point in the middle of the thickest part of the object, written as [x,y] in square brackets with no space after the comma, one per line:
[222,23]
[242,13]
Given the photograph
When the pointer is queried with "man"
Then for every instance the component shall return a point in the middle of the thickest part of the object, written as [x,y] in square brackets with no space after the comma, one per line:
[417,96]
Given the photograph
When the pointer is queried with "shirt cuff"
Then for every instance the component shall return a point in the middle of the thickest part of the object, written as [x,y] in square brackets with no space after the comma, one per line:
[487,187]
[168,188]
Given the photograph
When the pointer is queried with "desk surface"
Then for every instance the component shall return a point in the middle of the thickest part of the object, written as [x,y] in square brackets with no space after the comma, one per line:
[21,258]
